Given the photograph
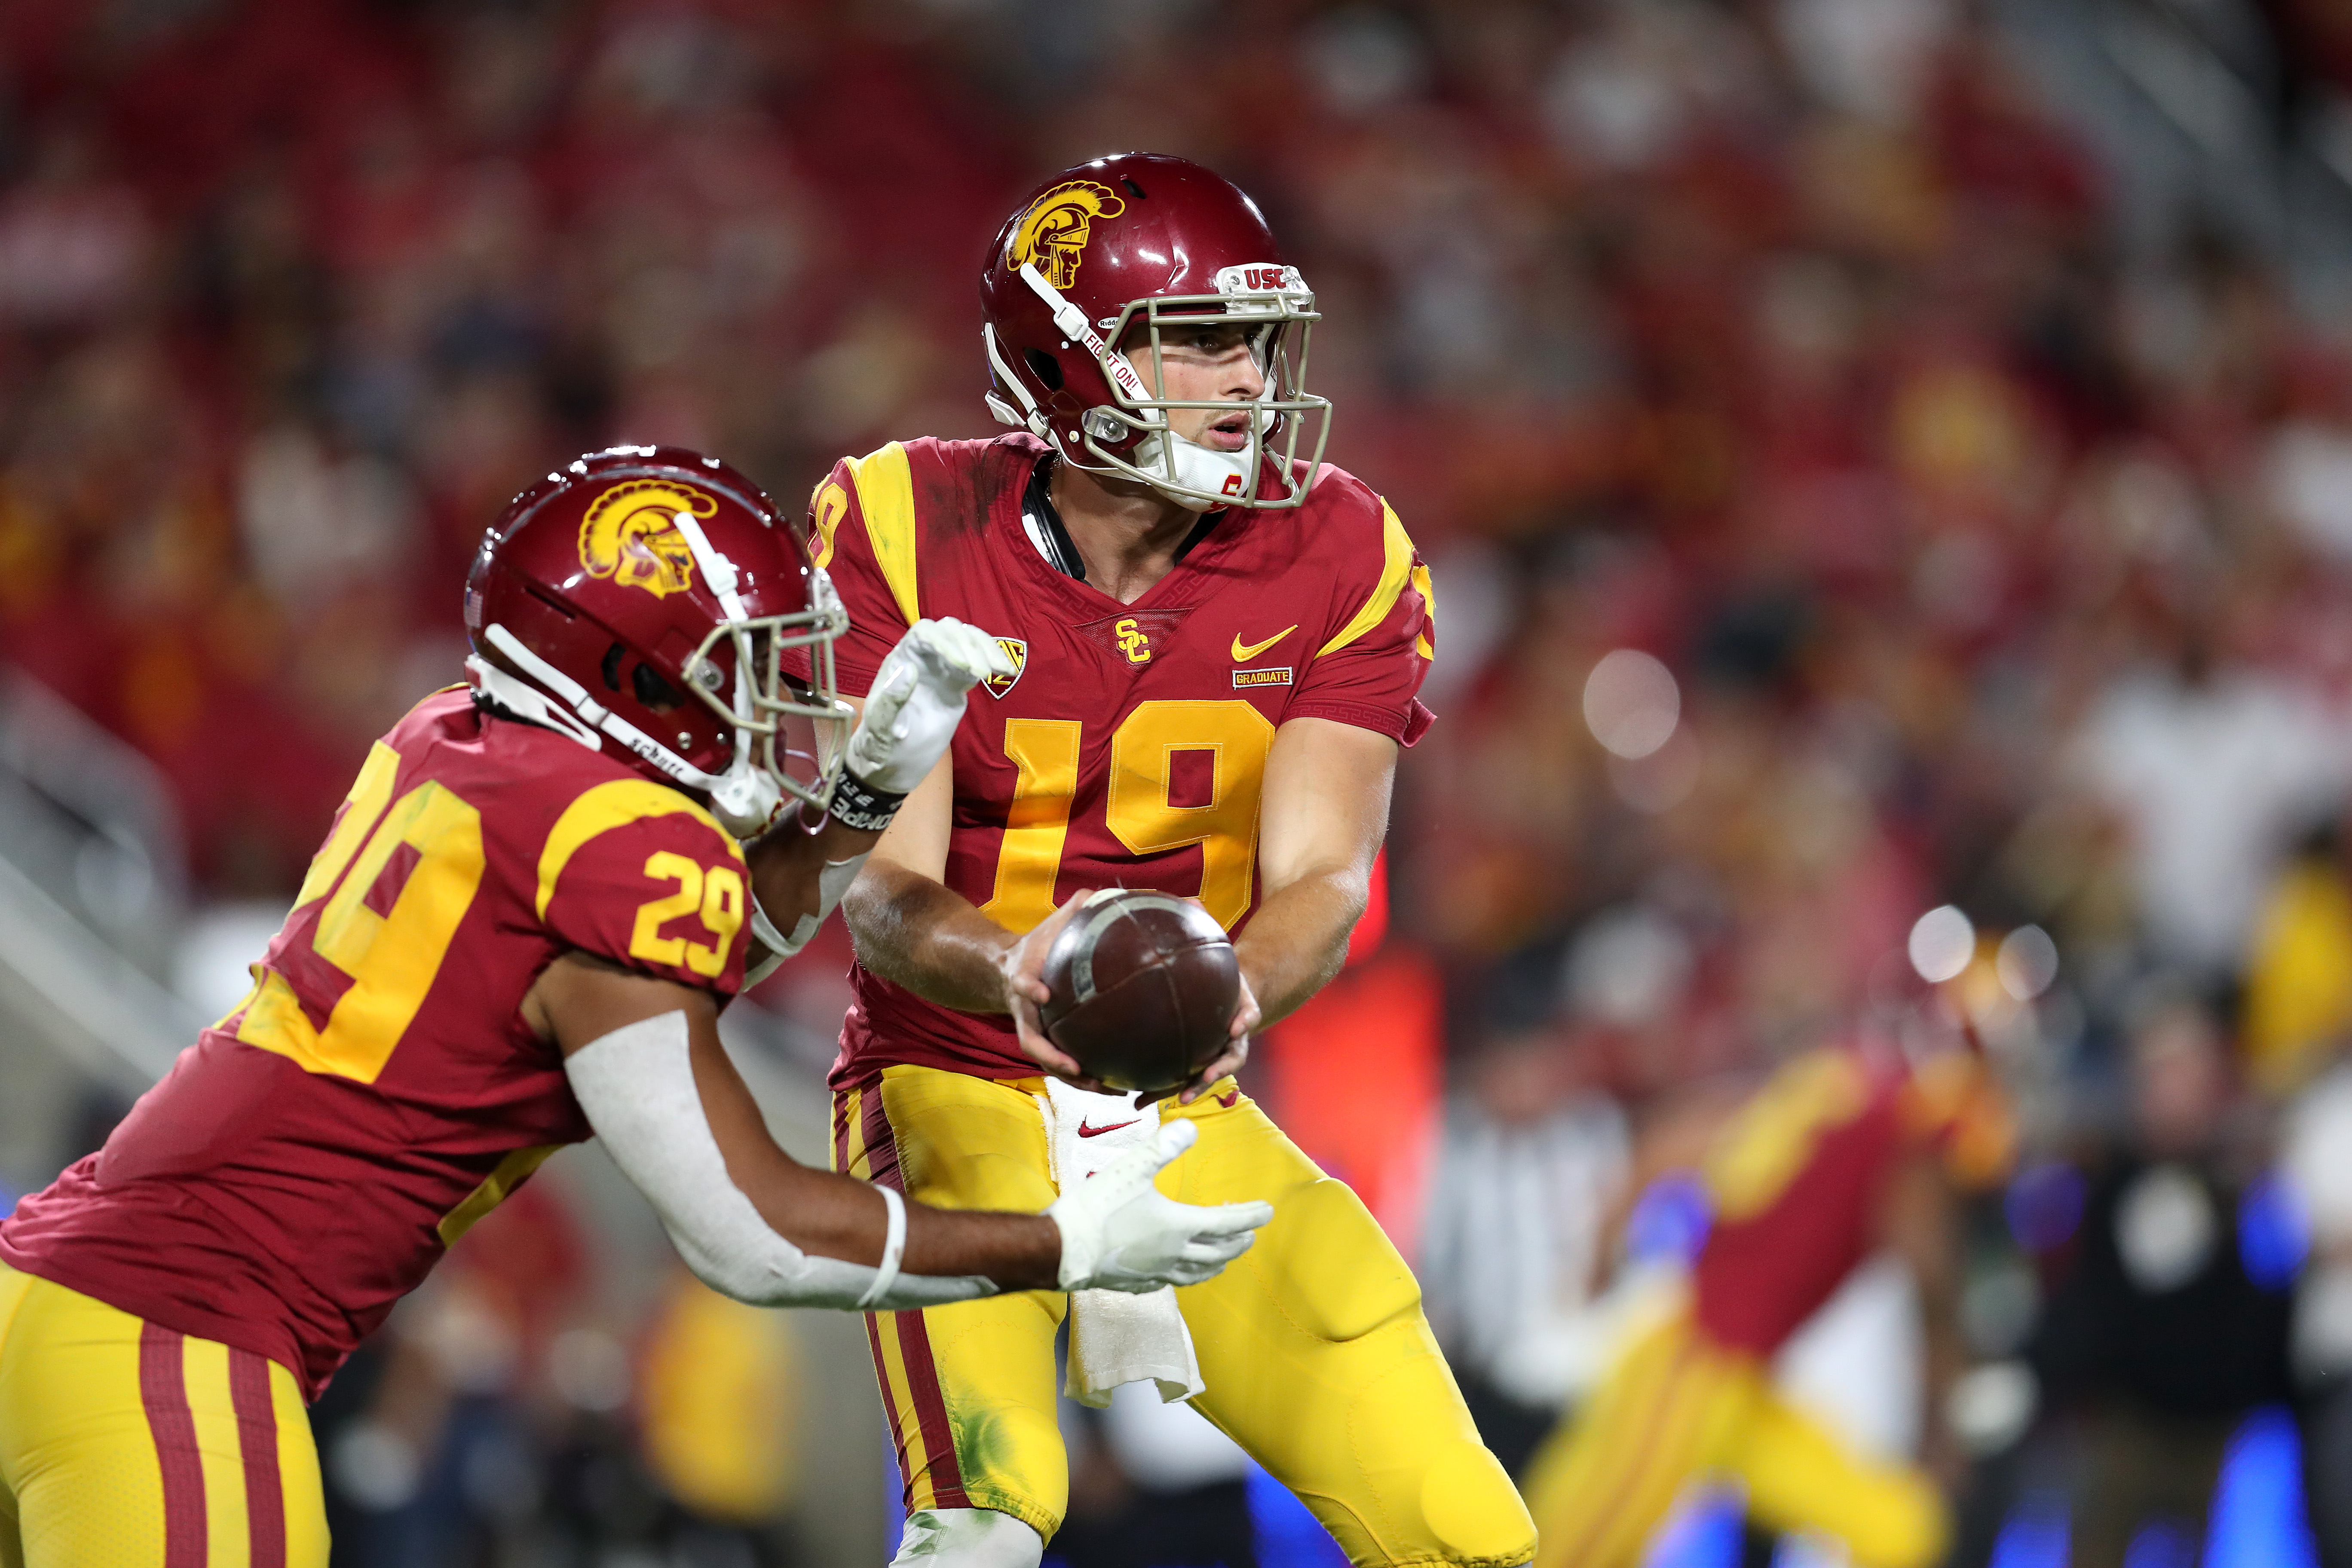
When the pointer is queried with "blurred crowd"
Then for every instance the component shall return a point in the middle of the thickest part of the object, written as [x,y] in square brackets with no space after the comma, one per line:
[1836,523]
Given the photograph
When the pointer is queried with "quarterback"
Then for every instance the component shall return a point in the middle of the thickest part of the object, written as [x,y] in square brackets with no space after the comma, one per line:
[519,934]
[1215,645]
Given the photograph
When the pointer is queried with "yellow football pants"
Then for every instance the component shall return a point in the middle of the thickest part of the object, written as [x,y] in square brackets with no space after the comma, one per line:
[1677,1408]
[1318,1359]
[123,1445]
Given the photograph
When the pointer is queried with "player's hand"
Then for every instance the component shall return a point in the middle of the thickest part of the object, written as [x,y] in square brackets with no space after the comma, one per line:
[917,701]
[1229,1061]
[1120,1232]
[1022,965]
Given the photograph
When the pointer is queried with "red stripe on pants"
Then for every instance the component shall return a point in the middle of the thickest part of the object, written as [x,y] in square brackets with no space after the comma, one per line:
[881,1143]
[931,1410]
[914,1342]
[256,1443]
[163,1390]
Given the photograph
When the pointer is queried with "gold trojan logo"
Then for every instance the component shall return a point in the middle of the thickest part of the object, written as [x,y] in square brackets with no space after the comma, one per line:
[1054,232]
[630,534]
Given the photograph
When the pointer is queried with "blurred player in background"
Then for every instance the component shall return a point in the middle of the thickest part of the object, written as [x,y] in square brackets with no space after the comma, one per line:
[518,934]
[1216,646]
[1845,1150]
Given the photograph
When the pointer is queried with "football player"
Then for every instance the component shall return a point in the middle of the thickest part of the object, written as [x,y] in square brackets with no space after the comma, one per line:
[1216,644]
[1842,1152]
[518,934]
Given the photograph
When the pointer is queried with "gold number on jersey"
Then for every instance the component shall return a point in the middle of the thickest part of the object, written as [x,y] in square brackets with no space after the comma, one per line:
[392,956]
[1143,751]
[827,507]
[369,794]
[1142,770]
[1769,1142]
[1045,753]
[716,893]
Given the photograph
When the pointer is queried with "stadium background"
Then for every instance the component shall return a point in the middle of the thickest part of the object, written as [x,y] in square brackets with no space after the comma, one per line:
[1874,455]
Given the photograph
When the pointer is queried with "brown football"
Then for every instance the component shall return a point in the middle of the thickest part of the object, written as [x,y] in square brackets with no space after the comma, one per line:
[1144,986]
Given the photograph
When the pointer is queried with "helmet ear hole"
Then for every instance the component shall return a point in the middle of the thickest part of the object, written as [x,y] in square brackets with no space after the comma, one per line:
[613,668]
[1044,367]
[651,689]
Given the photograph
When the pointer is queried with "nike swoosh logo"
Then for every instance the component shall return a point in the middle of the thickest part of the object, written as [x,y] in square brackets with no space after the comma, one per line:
[1244,652]
[1087,1131]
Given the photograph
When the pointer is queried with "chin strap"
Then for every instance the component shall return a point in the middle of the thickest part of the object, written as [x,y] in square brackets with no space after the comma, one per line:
[528,702]
[1072,323]
[1029,416]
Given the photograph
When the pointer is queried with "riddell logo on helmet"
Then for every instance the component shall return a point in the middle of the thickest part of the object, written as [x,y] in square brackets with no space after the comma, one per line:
[1054,230]
[631,534]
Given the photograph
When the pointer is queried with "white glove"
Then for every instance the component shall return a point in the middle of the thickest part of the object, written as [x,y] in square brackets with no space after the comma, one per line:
[917,701]
[1119,1233]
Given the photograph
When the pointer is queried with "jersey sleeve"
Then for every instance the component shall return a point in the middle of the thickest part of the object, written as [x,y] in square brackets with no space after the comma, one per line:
[1378,644]
[862,534]
[640,876]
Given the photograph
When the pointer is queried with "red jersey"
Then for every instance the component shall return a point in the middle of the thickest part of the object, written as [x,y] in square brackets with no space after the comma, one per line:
[307,1162]
[1798,1176]
[1129,749]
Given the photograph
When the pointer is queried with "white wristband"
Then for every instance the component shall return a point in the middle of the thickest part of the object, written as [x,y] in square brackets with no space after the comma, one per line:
[832,883]
[894,1246]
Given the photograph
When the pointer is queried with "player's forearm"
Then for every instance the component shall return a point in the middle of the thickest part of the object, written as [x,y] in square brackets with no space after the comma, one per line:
[786,864]
[829,1215]
[1298,938]
[919,933]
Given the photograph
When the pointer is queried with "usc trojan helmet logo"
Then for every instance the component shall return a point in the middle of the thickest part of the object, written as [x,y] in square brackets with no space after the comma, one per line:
[1054,232]
[630,534]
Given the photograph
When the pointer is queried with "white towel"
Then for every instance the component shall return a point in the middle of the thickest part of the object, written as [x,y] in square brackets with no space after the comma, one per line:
[1114,1336]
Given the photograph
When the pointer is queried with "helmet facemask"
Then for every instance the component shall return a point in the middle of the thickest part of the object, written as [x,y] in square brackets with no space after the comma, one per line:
[791,735]
[1131,436]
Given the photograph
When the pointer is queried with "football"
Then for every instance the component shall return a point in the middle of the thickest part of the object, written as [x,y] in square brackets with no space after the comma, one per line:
[1144,986]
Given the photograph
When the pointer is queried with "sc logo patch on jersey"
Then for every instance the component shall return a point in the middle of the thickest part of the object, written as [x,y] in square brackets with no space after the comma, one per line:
[1017,650]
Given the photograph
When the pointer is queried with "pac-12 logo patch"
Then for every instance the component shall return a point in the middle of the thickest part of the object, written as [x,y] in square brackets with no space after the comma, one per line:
[631,534]
[1017,651]
[1054,230]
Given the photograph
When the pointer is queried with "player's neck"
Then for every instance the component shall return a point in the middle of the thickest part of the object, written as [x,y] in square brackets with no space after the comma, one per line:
[1127,534]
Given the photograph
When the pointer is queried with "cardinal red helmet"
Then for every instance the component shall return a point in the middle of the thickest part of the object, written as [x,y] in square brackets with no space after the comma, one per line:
[655,597]
[1126,247]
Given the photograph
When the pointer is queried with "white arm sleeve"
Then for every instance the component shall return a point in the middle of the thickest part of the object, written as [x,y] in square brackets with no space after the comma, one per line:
[637,1085]
[831,884]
